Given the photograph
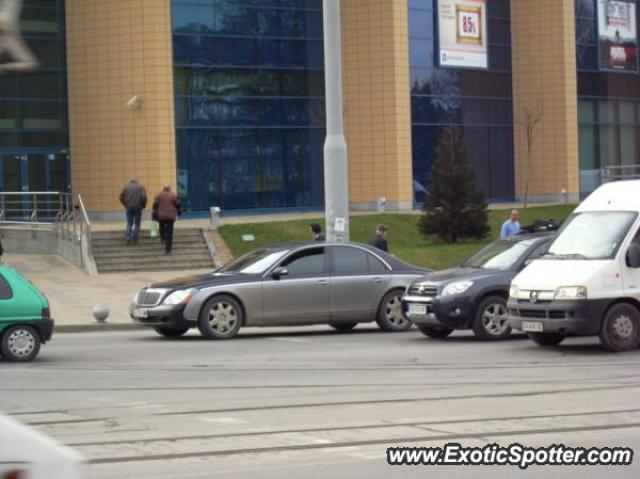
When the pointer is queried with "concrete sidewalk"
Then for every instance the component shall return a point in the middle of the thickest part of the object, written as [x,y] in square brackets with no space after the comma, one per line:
[72,294]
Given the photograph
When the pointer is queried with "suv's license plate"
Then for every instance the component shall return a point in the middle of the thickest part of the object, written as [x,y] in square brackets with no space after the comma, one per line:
[532,326]
[417,309]
[140,313]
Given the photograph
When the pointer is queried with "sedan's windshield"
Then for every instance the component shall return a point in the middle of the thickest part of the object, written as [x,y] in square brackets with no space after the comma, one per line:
[255,262]
[592,235]
[501,254]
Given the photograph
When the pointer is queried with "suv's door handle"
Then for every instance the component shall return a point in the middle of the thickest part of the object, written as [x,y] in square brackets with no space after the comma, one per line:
[322,282]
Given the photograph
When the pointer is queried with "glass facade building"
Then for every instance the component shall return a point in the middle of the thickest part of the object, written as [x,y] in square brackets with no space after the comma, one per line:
[608,107]
[249,102]
[479,101]
[33,107]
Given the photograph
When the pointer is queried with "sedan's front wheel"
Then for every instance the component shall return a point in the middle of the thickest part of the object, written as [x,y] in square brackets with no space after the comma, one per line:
[390,317]
[220,318]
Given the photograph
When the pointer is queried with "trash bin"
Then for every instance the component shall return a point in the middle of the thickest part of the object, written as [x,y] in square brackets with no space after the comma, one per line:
[214,217]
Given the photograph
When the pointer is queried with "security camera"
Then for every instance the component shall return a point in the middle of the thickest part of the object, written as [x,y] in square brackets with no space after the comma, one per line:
[135,103]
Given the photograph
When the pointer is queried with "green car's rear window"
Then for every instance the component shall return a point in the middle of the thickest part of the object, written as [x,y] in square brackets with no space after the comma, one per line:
[5,289]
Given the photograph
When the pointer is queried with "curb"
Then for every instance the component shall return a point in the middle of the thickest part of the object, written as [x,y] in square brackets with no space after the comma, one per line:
[95,327]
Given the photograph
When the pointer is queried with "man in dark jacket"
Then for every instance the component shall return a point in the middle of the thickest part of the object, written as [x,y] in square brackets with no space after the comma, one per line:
[316,231]
[380,240]
[134,198]
[166,208]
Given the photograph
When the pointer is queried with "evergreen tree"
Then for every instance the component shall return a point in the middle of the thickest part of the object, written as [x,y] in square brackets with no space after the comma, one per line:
[454,208]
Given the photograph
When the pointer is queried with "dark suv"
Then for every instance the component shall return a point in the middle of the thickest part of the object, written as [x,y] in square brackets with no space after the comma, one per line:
[474,294]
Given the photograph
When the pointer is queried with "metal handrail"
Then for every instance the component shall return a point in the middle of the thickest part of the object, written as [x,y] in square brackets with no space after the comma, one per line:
[85,225]
[620,172]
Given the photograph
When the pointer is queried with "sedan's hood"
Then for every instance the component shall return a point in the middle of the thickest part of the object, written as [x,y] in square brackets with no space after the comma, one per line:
[447,275]
[204,280]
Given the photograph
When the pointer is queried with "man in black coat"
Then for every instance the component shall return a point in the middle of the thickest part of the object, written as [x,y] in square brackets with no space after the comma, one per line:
[380,240]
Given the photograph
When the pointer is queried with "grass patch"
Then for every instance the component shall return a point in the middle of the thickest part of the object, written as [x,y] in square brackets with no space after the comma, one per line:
[404,240]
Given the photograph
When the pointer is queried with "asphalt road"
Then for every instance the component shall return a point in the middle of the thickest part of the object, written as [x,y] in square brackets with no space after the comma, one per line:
[314,403]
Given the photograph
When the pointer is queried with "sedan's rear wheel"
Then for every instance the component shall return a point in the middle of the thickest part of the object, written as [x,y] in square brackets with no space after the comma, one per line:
[220,318]
[434,332]
[390,317]
[343,327]
[171,332]
[20,343]
[492,319]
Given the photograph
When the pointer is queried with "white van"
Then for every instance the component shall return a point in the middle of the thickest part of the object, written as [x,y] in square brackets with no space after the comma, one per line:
[588,283]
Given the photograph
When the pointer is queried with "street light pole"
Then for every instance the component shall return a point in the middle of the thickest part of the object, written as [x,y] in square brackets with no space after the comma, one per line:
[336,187]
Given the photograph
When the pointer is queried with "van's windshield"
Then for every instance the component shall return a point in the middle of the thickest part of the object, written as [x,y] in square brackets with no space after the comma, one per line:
[592,235]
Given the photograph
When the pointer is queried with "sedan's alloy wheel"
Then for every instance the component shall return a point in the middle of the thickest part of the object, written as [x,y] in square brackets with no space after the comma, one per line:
[393,311]
[223,317]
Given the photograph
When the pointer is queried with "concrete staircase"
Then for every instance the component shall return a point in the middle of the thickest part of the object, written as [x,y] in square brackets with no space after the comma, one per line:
[112,254]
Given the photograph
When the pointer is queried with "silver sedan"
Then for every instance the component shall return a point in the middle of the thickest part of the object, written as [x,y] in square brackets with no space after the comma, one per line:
[341,284]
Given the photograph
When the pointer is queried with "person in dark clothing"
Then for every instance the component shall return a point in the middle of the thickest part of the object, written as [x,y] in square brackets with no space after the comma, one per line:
[380,240]
[166,208]
[316,231]
[134,198]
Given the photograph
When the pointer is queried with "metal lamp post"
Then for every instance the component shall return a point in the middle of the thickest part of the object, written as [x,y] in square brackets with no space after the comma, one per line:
[336,188]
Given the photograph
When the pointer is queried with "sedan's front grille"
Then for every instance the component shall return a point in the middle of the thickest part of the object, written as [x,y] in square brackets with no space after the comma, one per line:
[147,298]
[428,291]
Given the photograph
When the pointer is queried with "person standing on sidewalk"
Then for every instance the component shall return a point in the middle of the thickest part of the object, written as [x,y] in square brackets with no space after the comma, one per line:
[134,198]
[380,239]
[167,208]
[316,232]
[510,227]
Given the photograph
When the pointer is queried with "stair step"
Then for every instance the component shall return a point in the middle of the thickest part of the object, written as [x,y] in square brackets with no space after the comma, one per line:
[154,252]
[149,268]
[144,234]
[146,245]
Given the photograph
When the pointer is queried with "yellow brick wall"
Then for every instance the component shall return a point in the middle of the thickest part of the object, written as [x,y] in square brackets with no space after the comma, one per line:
[377,114]
[117,49]
[544,79]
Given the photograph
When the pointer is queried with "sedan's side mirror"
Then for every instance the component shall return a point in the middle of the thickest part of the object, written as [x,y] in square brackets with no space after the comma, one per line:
[633,256]
[279,272]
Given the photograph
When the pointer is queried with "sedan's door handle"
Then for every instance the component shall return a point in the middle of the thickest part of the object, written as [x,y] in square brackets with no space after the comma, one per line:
[322,282]
[377,279]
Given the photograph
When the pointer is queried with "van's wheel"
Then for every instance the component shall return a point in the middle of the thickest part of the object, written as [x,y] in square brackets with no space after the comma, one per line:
[620,330]
[390,317]
[171,332]
[220,318]
[546,339]
[20,343]
[433,332]
[492,319]
[343,327]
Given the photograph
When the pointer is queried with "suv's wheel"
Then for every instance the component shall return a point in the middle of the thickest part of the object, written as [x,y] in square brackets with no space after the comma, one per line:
[171,332]
[620,328]
[434,332]
[546,339]
[220,318]
[492,319]
[390,317]
[20,343]
[343,327]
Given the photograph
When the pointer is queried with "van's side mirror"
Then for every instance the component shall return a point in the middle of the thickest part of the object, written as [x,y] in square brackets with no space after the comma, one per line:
[279,272]
[633,256]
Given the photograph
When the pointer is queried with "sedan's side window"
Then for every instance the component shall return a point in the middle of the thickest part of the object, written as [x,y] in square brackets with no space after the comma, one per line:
[5,289]
[376,266]
[349,260]
[309,261]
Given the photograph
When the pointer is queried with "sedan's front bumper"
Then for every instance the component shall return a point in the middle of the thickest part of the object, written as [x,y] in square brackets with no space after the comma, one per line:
[160,315]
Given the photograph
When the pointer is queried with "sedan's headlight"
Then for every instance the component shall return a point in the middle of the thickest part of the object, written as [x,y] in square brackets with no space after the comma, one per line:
[513,291]
[456,288]
[571,292]
[180,296]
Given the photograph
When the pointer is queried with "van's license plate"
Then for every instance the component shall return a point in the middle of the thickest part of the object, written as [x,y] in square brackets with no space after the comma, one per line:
[417,309]
[532,326]
[140,313]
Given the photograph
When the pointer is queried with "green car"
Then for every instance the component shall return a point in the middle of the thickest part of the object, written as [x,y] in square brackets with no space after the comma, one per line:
[25,321]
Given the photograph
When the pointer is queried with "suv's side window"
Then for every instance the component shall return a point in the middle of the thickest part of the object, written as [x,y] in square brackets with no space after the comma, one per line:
[5,289]
[309,261]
